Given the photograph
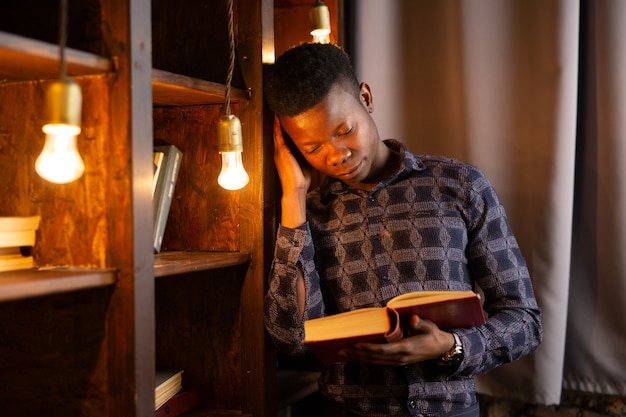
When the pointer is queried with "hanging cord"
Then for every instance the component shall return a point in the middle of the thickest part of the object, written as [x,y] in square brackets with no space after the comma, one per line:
[231,66]
[63,38]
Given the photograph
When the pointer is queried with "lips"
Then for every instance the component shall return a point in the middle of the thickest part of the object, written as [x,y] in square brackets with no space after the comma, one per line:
[351,171]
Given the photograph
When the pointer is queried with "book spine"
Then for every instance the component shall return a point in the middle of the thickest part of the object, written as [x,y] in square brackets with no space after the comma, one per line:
[180,403]
[164,191]
[157,159]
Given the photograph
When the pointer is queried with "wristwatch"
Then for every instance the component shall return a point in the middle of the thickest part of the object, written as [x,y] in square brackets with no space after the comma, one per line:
[453,357]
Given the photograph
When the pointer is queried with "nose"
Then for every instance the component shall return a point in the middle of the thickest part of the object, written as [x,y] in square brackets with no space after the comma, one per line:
[338,155]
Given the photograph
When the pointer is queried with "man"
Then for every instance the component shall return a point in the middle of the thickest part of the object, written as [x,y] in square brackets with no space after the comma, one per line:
[385,222]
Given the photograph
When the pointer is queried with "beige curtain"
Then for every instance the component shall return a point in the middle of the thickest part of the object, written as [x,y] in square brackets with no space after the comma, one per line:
[496,83]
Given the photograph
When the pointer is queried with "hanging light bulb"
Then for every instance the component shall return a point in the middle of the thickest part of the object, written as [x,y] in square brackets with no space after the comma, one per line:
[59,161]
[229,139]
[233,176]
[319,16]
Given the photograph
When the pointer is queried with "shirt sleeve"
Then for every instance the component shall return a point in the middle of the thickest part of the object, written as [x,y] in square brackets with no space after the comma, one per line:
[293,257]
[513,327]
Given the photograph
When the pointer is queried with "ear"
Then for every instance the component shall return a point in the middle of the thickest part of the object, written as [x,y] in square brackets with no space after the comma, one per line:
[365,95]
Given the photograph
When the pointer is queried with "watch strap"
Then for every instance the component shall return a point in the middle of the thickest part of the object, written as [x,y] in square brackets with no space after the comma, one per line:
[454,356]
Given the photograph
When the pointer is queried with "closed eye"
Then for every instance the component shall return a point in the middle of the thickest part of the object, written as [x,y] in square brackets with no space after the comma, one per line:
[347,132]
[313,150]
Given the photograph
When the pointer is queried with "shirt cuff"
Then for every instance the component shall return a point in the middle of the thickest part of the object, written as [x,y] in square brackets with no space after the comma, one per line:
[291,242]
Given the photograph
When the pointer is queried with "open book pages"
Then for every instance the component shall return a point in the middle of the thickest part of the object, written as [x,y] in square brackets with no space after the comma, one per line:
[325,336]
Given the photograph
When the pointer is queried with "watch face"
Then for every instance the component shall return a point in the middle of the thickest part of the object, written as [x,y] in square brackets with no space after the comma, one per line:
[457,355]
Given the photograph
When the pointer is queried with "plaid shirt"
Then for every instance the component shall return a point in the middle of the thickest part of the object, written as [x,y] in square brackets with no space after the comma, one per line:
[437,224]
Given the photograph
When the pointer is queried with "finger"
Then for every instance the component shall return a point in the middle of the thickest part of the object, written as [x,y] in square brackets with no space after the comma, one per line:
[417,325]
[415,322]
[278,132]
[379,354]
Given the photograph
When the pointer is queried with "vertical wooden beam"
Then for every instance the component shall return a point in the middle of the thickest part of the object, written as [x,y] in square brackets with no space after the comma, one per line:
[142,174]
[255,23]
[127,34]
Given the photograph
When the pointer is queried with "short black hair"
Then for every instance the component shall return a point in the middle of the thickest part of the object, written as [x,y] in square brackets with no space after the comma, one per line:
[303,76]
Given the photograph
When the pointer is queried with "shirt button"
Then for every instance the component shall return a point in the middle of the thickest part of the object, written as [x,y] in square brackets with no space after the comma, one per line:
[412,404]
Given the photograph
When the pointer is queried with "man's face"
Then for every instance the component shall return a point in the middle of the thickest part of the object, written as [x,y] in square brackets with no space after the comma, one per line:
[338,136]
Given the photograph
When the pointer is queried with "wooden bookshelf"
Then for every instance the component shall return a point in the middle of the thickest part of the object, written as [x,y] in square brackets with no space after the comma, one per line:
[216,413]
[179,262]
[17,285]
[23,59]
[99,333]
[169,89]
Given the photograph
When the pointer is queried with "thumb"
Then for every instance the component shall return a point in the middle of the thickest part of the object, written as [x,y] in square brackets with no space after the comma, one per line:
[419,325]
[416,322]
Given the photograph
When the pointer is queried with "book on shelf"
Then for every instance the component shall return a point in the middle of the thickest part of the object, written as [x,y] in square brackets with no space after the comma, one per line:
[12,259]
[183,401]
[326,336]
[157,163]
[167,160]
[167,384]
[18,231]
[17,237]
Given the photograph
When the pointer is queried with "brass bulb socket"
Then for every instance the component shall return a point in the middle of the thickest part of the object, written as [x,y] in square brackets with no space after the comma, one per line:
[229,138]
[63,103]
[319,17]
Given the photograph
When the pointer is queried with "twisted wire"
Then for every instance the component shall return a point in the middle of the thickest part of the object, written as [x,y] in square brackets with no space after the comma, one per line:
[231,66]
[63,38]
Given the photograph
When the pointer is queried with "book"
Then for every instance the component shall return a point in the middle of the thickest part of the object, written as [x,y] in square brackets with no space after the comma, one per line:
[17,237]
[167,384]
[18,231]
[180,403]
[157,163]
[326,336]
[164,190]
[14,260]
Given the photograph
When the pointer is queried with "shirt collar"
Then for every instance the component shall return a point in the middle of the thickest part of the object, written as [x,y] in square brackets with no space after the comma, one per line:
[410,163]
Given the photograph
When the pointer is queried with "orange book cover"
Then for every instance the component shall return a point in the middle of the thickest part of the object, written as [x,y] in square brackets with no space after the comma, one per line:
[325,336]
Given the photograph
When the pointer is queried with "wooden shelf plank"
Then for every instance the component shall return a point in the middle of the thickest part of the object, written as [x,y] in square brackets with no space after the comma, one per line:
[28,283]
[169,89]
[206,412]
[23,59]
[178,262]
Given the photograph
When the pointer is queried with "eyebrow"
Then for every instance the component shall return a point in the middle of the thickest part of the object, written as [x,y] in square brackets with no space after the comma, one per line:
[336,132]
